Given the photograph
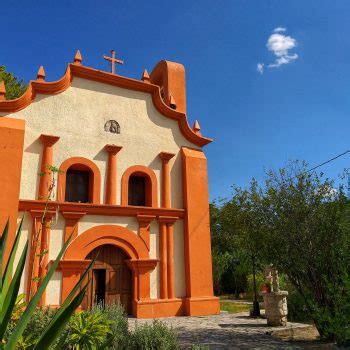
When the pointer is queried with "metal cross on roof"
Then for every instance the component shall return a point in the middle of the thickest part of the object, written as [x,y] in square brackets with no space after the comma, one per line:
[113,61]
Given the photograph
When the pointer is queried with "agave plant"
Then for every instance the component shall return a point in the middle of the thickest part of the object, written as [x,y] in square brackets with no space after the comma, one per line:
[9,287]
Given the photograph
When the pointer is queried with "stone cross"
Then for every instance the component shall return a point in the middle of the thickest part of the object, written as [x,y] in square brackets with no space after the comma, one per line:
[113,61]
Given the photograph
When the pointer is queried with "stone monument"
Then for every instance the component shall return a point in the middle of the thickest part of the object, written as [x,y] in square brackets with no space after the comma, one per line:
[275,301]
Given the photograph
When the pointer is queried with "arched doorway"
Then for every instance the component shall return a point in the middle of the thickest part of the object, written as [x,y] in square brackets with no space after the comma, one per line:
[110,278]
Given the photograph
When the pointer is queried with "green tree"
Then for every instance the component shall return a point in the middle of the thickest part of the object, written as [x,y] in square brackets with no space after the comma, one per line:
[303,229]
[14,87]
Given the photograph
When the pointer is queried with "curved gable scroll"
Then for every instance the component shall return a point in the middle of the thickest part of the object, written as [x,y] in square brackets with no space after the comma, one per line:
[74,70]
[80,163]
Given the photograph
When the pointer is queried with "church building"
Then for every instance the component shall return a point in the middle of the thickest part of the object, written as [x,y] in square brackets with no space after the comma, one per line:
[111,163]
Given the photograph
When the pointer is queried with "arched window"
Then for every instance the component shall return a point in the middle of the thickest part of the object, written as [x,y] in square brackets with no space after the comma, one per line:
[79,181]
[137,190]
[79,184]
[139,187]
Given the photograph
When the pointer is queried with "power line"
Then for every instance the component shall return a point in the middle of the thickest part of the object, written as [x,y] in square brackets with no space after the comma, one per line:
[327,161]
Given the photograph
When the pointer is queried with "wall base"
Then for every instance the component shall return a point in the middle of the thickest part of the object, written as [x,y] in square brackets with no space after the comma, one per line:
[201,306]
[158,308]
[176,307]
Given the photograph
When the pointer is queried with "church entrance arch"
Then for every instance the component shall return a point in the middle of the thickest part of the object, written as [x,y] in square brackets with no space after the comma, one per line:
[121,249]
[110,278]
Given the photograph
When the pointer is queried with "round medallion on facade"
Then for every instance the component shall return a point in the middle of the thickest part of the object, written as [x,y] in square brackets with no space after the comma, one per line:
[112,126]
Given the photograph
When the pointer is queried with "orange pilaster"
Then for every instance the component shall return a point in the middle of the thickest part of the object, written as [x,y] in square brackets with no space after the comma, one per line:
[72,220]
[11,152]
[39,251]
[71,272]
[170,259]
[46,161]
[141,271]
[198,266]
[166,253]
[166,194]
[111,183]
[163,260]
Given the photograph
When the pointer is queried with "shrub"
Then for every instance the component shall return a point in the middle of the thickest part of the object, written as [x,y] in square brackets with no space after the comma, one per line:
[119,325]
[37,323]
[89,329]
[153,337]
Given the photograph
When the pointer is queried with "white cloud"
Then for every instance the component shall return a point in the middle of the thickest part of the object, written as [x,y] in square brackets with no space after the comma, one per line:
[260,68]
[280,45]
[279,29]
[283,60]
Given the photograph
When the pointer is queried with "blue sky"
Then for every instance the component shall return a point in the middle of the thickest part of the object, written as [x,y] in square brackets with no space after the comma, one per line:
[298,110]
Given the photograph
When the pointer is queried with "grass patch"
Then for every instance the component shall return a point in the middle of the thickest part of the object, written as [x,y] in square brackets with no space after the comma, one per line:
[234,308]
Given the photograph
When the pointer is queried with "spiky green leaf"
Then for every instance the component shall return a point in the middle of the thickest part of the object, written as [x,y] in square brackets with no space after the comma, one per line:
[53,330]
[12,293]
[9,266]
[3,240]
[23,321]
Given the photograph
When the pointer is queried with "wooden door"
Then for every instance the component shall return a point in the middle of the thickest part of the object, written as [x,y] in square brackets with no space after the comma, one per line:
[110,268]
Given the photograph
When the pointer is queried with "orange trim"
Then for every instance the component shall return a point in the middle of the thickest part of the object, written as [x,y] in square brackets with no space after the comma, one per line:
[170,259]
[46,161]
[71,272]
[166,193]
[171,77]
[151,186]
[163,275]
[198,260]
[72,221]
[111,182]
[145,227]
[100,209]
[202,306]
[156,308]
[80,162]
[11,153]
[39,268]
[142,268]
[51,88]
[118,236]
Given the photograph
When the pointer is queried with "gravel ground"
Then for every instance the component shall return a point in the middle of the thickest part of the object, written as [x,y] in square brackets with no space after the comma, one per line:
[239,331]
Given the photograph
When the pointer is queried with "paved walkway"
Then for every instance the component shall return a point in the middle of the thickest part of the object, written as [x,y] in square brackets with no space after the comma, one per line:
[233,331]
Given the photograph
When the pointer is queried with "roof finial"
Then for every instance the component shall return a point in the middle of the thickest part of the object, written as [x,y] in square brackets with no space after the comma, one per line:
[145,77]
[172,102]
[2,91]
[41,74]
[196,128]
[77,58]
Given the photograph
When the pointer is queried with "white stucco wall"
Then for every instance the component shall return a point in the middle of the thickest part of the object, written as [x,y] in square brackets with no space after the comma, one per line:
[78,115]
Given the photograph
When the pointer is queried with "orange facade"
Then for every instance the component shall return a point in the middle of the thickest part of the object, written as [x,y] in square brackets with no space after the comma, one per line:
[166,84]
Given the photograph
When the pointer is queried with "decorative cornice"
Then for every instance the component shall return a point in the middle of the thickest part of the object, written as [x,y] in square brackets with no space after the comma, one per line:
[48,140]
[38,213]
[145,218]
[99,209]
[74,265]
[114,149]
[167,219]
[68,215]
[166,155]
[77,70]
[142,265]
